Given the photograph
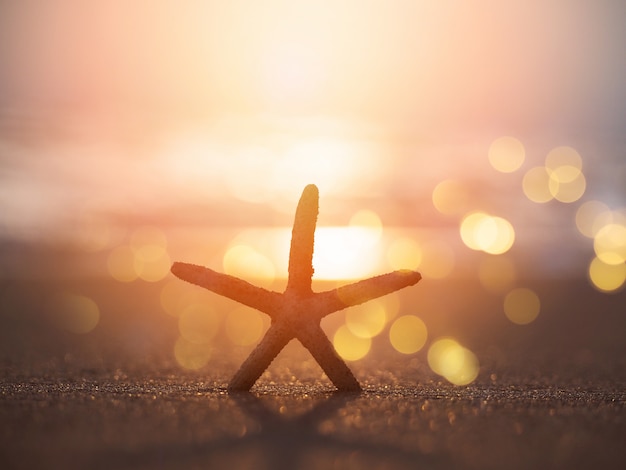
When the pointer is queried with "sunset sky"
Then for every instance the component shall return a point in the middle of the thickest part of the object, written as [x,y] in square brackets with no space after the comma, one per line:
[210,114]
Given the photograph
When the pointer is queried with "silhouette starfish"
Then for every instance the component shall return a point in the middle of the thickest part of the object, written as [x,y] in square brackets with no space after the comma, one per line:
[297,312]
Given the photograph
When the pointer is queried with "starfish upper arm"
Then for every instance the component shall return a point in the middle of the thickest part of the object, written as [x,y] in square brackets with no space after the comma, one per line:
[367,289]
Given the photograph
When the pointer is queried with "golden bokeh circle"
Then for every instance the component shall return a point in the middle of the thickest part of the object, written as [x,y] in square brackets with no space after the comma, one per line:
[506,154]
[606,277]
[349,346]
[408,334]
[522,306]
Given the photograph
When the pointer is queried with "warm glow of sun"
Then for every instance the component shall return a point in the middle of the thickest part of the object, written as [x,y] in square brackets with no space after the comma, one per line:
[245,262]
[327,161]
[345,252]
[354,251]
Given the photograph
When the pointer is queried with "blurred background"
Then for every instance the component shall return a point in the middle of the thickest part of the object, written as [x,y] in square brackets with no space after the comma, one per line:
[480,143]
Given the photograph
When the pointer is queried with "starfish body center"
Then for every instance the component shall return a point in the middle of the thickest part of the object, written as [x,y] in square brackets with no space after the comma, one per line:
[298,311]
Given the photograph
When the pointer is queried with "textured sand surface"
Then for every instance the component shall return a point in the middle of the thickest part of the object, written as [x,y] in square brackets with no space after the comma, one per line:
[108,422]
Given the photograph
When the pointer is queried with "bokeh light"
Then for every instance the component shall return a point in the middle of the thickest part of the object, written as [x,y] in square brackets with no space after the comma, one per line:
[391,303]
[350,346]
[536,185]
[244,326]
[469,229]
[152,269]
[521,306]
[404,253]
[367,320]
[176,296]
[456,363]
[493,235]
[408,334]
[75,313]
[371,221]
[563,157]
[564,174]
[191,355]
[151,261]
[450,197]
[198,324]
[121,264]
[506,154]
[610,244]
[561,178]
[172,301]
[245,262]
[591,216]
[144,257]
[567,184]
[606,277]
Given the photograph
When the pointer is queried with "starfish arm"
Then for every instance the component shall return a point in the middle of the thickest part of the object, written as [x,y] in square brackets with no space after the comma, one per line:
[320,347]
[228,286]
[367,289]
[260,358]
[302,238]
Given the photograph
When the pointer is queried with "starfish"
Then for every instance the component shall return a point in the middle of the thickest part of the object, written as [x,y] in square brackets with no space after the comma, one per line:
[298,311]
